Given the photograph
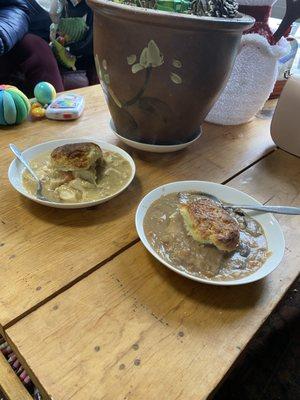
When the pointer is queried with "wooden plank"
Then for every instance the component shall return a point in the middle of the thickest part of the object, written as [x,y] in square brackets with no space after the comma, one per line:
[135,330]
[10,384]
[44,249]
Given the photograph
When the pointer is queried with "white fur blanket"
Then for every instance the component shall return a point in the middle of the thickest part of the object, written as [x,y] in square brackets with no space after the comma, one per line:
[251,82]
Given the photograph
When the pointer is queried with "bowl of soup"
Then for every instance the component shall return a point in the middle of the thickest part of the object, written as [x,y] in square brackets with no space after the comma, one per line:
[251,245]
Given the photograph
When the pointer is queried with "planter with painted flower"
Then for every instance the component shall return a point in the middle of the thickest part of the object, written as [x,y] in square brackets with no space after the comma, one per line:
[161,72]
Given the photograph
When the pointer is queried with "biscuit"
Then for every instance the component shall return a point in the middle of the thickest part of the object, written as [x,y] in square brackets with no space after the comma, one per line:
[76,156]
[209,223]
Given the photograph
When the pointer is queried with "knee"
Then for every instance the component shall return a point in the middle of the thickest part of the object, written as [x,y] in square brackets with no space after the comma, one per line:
[33,43]
[34,47]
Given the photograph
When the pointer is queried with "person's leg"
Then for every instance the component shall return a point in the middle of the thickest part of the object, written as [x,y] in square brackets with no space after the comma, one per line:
[35,59]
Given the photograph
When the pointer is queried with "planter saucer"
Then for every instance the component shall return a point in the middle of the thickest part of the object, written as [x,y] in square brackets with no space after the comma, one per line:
[154,148]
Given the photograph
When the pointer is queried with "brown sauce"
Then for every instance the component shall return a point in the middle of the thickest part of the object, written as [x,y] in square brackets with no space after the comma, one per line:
[165,231]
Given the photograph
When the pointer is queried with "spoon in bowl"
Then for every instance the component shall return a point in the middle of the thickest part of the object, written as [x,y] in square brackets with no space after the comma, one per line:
[20,157]
[269,209]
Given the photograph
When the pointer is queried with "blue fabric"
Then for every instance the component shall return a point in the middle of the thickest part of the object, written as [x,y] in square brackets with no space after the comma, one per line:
[14,22]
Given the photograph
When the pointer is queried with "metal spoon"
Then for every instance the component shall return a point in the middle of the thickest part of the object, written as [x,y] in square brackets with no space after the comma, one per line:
[270,209]
[19,155]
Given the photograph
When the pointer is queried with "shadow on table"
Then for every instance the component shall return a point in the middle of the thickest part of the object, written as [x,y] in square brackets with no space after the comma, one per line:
[114,209]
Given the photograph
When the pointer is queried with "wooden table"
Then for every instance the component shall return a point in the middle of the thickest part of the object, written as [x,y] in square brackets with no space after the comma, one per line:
[92,314]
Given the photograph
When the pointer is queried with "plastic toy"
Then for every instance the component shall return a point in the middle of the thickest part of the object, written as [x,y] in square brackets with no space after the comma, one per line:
[63,56]
[44,93]
[72,29]
[35,104]
[66,107]
[14,105]
[38,112]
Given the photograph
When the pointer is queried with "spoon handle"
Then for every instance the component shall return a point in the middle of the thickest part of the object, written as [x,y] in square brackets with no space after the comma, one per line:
[271,209]
[19,155]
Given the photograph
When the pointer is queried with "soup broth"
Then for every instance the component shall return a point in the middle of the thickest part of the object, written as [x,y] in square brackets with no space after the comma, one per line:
[165,231]
[74,186]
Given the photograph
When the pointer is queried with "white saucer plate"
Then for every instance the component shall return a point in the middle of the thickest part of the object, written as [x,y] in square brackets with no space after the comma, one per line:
[153,148]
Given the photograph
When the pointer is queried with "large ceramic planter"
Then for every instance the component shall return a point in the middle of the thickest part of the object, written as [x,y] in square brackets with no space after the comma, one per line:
[162,72]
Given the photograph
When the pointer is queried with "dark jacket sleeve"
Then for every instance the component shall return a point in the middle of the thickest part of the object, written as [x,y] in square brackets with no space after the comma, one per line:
[14,21]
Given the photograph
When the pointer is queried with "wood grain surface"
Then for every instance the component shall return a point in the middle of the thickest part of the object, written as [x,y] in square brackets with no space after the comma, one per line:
[134,330]
[43,250]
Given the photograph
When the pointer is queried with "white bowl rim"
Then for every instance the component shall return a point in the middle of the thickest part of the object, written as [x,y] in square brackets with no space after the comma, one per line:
[86,204]
[255,276]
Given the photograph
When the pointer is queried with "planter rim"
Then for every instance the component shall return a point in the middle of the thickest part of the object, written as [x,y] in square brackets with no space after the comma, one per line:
[170,19]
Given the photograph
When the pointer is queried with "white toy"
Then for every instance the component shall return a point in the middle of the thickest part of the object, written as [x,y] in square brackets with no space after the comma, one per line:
[66,107]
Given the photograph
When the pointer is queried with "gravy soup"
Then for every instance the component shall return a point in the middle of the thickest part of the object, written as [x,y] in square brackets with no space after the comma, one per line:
[167,231]
[78,172]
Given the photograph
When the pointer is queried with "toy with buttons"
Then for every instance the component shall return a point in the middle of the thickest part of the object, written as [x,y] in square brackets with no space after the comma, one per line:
[44,94]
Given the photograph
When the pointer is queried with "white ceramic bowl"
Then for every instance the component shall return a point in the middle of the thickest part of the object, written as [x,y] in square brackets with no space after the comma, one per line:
[271,227]
[153,148]
[16,170]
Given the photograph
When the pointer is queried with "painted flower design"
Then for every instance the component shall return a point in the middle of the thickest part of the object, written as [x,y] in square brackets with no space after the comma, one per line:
[104,79]
[150,57]
[102,70]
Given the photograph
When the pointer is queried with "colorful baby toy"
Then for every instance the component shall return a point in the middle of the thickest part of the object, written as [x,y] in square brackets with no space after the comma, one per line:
[44,93]
[14,105]
[37,111]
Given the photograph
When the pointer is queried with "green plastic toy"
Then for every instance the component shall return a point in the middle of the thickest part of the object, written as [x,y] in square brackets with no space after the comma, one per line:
[63,56]
[44,93]
[72,29]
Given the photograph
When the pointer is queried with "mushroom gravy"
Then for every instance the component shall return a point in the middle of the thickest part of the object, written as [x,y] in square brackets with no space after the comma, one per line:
[166,233]
[79,186]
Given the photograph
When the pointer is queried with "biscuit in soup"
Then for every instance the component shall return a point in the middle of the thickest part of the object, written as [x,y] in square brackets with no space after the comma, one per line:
[76,156]
[209,223]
